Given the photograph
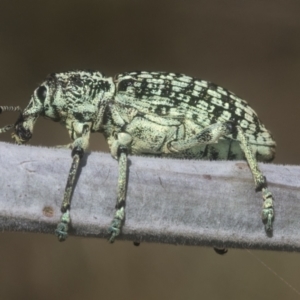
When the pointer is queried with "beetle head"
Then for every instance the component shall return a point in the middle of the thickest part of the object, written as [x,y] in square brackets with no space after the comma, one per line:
[24,126]
[64,96]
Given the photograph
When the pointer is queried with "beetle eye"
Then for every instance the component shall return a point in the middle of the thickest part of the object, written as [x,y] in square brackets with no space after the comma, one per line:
[41,93]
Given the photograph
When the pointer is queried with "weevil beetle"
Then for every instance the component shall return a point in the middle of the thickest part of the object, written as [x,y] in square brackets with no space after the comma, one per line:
[148,113]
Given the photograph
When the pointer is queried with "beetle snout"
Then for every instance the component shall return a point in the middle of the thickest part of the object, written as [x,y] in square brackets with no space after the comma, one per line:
[21,134]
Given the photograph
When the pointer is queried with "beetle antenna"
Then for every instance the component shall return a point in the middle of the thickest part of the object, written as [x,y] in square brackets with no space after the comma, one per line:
[8,108]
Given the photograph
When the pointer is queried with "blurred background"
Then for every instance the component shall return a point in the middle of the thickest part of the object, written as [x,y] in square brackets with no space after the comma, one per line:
[250,47]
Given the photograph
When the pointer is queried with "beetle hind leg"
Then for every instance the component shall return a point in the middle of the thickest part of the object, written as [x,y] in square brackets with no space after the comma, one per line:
[210,135]
[260,181]
[267,210]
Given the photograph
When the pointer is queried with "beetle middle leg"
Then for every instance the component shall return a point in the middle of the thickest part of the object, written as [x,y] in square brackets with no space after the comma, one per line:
[120,151]
[210,135]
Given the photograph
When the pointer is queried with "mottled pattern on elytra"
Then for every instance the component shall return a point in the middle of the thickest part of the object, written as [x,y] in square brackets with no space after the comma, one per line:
[194,104]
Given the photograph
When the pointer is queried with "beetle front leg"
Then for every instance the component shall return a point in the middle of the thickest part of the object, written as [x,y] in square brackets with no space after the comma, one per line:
[62,228]
[79,145]
[121,147]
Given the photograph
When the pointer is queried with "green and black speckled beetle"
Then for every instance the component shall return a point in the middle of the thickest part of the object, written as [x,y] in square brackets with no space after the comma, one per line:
[148,113]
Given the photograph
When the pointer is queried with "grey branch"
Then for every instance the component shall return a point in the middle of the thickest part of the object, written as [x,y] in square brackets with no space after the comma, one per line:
[168,201]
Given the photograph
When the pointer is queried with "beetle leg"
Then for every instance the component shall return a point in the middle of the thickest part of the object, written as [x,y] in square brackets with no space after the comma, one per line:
[210,135]
[259,179]
[78,147]
[124,139]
